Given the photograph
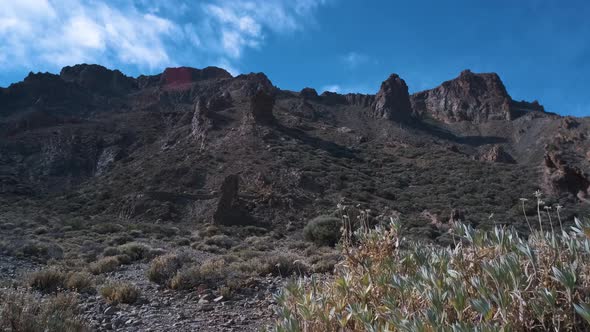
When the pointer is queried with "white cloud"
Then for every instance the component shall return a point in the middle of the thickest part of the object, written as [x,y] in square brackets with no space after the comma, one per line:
[146,34]
[354,59]
[332,88]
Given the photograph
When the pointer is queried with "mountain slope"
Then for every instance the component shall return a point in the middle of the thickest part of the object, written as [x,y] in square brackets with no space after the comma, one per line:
[198,146]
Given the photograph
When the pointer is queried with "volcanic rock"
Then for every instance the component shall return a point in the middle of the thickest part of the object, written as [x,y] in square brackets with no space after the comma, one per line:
[98,79]
[261,106]
[559,177]
[229,209]
[470,97]
[308,93]
[181,76]
[358,99]
[201,122]
[497,154]
[392,101]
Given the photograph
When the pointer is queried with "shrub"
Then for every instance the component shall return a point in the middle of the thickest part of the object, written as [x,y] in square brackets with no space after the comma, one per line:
[80,282]
[49,280]
[163,268]
[111,251]
[281,265]
[222,241]
[138,251]
[323,230]
[22,311]
[121,292]
[489,281]
[104,265]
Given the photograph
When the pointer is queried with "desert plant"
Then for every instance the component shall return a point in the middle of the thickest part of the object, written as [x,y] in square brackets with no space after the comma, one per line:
[48,280]
[81,282]
[323,230]
[104,265]
[21,311]
[120,292]
[491,280]
[163,268]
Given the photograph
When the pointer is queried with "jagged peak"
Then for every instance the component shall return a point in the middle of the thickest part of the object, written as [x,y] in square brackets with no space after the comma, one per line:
[186,75]
[97,77]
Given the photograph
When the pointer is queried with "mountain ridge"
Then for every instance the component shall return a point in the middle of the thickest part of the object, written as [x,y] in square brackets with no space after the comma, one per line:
[163,145]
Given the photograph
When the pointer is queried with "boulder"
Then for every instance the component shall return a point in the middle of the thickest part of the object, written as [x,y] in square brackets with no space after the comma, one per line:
[559,177]
[497,154]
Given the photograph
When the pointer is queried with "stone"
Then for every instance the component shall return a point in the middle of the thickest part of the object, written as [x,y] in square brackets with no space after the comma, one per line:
[111,310]
[308,93]
[470,97]
[261,106]
[497,154]
[229,209]
[559,177]
[392,102]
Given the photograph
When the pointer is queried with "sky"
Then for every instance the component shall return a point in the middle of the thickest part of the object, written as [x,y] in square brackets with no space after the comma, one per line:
[540,49]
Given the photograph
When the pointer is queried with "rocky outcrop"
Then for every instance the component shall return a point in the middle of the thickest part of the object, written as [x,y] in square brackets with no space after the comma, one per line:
[308,93]
[201,123]
[182,76]
[559,177]
[358,99]
[470,97]
[229,210]
[99,79]
[246,86]
[261,106]
[392,101]
[496,154]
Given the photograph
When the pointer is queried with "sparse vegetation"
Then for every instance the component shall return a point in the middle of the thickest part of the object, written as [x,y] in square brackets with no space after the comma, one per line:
[121,292]
[49,280]
[163,268]
[104,265]
[21,311]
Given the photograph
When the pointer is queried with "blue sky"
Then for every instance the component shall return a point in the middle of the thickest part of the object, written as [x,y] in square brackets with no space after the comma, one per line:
[541,49]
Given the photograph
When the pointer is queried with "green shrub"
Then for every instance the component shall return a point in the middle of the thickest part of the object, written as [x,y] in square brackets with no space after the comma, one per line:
[323,230]
[135,250]
[121,292]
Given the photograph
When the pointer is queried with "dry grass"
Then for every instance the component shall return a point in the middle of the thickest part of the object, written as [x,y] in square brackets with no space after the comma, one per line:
[488,281]
[104,265]
[163,268]
[121,292]
[21,311]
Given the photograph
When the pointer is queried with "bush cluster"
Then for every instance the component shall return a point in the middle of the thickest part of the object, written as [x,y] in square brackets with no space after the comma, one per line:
[494,280]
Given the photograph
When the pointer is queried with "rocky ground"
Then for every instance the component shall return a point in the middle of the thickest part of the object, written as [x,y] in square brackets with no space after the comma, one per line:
[162,309]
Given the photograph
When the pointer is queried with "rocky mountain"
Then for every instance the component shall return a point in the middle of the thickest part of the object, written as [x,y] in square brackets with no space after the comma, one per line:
[198,145]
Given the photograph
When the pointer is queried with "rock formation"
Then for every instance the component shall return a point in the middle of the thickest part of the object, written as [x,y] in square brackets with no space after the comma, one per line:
[308,93]
[98,79]
[497,154]
[392,101]
[229,210]
[562,178]
[470,97]
[261,106]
